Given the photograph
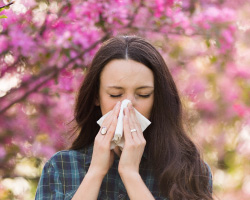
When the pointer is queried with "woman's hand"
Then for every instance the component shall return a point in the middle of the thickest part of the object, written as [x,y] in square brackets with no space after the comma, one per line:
[103,157]
[134,143]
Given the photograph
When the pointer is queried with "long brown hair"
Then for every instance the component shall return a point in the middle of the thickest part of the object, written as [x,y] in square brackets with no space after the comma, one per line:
[177,163]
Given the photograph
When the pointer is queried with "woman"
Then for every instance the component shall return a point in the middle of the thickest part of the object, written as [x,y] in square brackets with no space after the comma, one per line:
[160,163]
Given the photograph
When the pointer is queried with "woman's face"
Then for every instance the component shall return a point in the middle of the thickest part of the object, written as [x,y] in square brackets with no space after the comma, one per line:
[126,79]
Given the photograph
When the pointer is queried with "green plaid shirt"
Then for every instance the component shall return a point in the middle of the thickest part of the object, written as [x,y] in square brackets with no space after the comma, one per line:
[64,172]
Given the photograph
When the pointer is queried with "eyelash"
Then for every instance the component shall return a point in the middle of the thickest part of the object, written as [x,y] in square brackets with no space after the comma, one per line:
[117,96]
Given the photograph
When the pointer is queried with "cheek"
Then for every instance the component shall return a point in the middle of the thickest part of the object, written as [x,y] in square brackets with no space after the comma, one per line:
[107,105]
[145,108]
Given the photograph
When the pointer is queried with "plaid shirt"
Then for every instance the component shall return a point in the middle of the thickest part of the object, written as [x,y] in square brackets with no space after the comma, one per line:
[64,172]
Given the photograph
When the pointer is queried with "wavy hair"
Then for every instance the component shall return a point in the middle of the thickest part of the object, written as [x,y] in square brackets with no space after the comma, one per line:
[176,161]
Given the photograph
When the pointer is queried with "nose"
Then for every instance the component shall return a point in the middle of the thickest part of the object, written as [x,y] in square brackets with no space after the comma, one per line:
[131,97]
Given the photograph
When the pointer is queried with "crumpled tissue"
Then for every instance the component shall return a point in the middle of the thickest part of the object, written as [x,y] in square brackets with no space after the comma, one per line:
[118,139]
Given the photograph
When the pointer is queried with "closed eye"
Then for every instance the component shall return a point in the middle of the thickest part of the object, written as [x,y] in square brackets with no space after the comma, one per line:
[119,95]
[115,96]
[144,96]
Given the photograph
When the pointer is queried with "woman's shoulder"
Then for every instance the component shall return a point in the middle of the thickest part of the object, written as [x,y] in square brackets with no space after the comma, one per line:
[69,157]
[209,174]
[208,169]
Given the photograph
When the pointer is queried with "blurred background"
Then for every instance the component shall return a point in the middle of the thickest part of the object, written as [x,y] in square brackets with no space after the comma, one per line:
[47,46]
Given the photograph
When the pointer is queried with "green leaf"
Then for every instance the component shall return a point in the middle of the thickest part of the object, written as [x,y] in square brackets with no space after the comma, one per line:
[57,94]
[218,43]
[67,53]
[213,59]
[56,80]
[208,43]
[45,90]
[3,16]
[7,7]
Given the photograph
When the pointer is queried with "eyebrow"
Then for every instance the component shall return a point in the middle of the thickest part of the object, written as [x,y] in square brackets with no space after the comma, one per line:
[141,87]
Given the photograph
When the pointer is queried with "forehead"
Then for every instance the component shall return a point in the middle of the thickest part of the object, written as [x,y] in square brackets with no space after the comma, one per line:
[126,73]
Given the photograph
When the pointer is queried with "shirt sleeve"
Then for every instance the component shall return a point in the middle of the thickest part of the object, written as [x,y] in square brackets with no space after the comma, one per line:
[210,182]
[49,186]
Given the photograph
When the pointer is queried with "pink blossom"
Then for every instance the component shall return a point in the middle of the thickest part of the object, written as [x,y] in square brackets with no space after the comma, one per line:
[26,77]
[142,17]
[211,74]
[227,39]
[36,98]
[180,20]
[64,40]
[40,149]
[116,15]
[12,18]
[3,69]
[239,109]
[21,40]
[227,35]
[28,3]
[208,107]
[3,43]
[161,5]
[220,15]
[214,15]
[195,87]
[228,89]
[65,81]
[2,152]
[237,71]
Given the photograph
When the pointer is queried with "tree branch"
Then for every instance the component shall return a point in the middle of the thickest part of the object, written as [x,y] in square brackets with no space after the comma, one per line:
[53,70]
[7,5]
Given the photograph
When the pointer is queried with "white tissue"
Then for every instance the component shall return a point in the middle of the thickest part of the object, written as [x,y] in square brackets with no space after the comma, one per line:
[118,139]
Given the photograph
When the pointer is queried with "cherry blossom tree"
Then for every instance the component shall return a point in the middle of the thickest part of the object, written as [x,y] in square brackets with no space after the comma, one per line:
[47,46]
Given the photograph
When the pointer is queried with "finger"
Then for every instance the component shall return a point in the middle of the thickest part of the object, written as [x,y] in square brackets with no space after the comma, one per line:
[126,127]
[132,125]
[117,109]
[108,120]
[106,123]
[111,130]
[135,123]
[134,118]
[113,124]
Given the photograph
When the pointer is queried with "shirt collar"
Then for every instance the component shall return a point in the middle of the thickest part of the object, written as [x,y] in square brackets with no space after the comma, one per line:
[89,151]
